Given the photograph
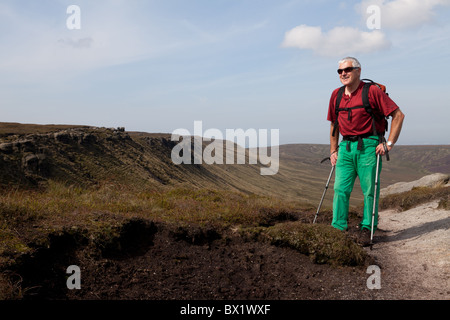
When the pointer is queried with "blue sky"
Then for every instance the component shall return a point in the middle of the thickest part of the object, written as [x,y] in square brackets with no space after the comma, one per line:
[157,66]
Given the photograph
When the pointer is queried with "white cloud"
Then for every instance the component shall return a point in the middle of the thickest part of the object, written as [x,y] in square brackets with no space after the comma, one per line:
[37,47]
[336,42]
[403,14]
[394,14]
[79,43]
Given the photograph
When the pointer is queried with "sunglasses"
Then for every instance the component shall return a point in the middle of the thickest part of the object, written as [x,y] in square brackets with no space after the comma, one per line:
[347,70]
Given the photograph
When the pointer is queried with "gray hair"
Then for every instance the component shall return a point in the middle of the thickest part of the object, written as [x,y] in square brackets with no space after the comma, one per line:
[354,61]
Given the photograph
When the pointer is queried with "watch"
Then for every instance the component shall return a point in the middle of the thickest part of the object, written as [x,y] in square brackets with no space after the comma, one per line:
[390,143]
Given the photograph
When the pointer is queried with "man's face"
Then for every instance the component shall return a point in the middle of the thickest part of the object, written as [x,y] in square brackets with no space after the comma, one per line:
[349,78]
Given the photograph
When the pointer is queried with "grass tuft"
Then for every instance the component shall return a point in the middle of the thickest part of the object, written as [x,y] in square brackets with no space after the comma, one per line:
[322,243]
[419,195]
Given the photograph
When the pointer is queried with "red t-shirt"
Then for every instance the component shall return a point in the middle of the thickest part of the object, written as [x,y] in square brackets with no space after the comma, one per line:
[360,121]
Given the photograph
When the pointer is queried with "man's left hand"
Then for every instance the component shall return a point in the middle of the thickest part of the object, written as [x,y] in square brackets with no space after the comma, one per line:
[381,149]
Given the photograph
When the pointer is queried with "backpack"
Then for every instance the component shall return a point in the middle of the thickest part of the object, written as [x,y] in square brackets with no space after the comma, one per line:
[365,105]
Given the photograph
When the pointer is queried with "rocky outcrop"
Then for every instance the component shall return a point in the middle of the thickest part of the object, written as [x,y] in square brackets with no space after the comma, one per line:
[433,180]
[33,157]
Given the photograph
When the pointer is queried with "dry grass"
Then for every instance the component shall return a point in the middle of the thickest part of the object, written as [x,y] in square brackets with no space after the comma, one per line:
[30,216]
[14,128]
[172,204]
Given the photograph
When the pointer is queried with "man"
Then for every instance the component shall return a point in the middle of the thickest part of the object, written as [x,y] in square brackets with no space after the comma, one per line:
[357,153]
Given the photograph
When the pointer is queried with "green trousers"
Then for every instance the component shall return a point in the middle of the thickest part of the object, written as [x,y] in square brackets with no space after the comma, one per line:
[350,164]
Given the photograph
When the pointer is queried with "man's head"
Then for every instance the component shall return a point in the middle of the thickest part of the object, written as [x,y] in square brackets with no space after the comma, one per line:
[349,71]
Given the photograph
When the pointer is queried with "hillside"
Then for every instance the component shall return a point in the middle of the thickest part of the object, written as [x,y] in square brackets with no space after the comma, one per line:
[31,155]
[89,155]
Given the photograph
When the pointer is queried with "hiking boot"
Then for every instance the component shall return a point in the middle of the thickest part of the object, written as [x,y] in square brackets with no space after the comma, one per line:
[364,238]
[354,233]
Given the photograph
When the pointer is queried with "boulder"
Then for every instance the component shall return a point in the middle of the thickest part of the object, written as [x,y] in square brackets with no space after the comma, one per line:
[6,147]
[63,136]
[26,145]
[35,163]
[88,138]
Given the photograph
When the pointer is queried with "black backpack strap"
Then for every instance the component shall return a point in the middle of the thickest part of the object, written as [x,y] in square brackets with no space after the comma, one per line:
[336,108]
[366,104]
[339,97]
[365,95]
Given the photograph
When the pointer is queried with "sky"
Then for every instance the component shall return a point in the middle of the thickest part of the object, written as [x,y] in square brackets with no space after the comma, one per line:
[158,66]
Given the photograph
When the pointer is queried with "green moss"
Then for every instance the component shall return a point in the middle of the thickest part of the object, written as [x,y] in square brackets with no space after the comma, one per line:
[323,243]
[11,246]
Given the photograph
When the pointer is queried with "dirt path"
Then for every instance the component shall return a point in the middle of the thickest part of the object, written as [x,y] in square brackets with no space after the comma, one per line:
[413,251]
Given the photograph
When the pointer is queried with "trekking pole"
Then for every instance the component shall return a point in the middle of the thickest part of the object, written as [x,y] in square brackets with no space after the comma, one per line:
[324,191]
[375,190]
[374,201]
